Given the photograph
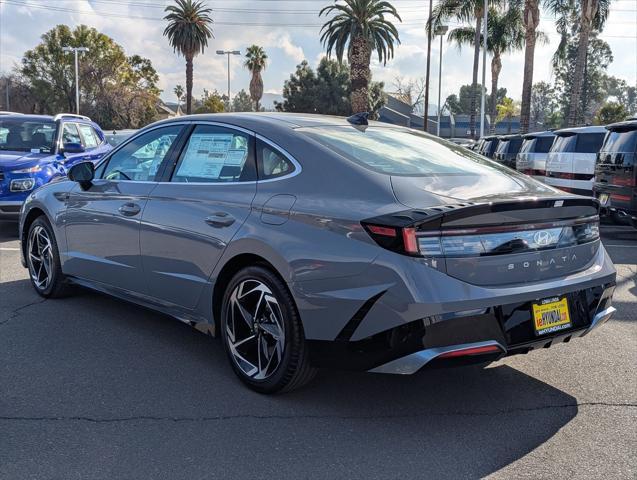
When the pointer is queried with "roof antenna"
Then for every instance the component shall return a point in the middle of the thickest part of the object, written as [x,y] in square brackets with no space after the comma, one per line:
[359,118]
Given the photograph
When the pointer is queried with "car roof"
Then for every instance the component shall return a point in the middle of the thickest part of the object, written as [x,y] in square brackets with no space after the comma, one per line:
[506,138]
[546,133]
[280,119]
[592,129]
[625,125]
[21,116]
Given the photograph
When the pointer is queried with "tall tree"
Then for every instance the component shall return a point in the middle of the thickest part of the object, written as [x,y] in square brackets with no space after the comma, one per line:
[593,14]
[531,19]
[179,93]
[506,111]
[117,91]
[325,91]
[505,33]
[255,63]
[361,27]
[188,31]
[543,103]
[466,11]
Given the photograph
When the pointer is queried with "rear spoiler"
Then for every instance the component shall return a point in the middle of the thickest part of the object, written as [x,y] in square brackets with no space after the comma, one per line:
[506,212]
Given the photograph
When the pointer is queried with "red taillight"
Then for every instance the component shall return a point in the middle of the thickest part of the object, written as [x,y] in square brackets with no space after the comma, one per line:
[401,240]
[410,241]
[379,230]
[623,181]
[470,351]
[621,198]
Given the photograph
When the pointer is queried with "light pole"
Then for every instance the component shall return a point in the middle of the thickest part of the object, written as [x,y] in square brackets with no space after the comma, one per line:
[75,50]
[442,31]
[228,52]
[484,68]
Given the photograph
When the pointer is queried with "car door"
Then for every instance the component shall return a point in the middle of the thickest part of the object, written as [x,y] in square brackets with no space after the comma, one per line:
[102,221]
[195,212]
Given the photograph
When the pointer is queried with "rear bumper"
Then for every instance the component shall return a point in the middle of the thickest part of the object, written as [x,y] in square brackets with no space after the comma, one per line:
[500,331]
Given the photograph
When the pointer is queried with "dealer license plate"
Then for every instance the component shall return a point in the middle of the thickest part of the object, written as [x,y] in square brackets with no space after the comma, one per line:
[551,315]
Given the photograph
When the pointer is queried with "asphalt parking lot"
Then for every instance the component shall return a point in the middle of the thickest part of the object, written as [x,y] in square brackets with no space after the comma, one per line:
[91,387]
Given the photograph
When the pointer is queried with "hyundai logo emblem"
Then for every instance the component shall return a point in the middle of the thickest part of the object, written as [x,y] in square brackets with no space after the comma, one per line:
[543,238]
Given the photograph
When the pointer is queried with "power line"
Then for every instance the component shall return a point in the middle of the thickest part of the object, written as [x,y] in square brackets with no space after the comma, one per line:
[413,22]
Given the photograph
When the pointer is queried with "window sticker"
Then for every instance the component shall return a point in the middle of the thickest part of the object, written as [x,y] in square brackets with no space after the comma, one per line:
[207,153]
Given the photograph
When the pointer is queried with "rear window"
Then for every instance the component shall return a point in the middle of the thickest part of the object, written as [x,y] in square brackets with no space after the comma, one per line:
[400,152]
[620,141]
[589,142]
[564,143]
[527,145]
[543,144]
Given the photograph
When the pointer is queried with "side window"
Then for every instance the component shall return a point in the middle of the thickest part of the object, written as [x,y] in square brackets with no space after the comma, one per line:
[272,163]
[89,136]
[70,134]
[216,155]
[139,159]
[589,142]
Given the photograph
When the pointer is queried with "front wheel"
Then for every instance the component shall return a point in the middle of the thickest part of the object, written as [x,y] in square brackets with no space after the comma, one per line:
[262,332]
[43,260]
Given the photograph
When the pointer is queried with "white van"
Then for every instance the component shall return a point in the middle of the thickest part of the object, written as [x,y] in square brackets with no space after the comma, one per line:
[570,164]
[531,159]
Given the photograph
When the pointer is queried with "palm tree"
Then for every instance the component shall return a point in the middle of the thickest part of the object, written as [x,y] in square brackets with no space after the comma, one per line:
[188,31]
[464,11]
[531,19]
[505,33]
[593,14]
[179,92]
[362,27]
[255,62]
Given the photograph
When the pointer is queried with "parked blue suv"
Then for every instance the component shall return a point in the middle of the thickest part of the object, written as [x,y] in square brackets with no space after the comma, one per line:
[34,149]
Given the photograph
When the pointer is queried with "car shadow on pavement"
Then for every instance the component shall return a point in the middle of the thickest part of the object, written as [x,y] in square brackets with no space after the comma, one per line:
[103,389]
[8,231]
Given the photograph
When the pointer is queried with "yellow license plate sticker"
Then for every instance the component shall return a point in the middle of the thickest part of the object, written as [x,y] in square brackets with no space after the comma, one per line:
[551,316]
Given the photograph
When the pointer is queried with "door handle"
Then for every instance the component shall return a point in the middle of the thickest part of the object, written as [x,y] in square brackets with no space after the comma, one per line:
[129,209]
[220,220]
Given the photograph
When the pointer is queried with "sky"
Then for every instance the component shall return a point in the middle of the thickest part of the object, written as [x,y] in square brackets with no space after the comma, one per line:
[289,31]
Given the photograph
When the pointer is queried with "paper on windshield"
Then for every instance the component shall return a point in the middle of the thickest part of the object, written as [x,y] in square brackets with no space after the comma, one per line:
[208,153]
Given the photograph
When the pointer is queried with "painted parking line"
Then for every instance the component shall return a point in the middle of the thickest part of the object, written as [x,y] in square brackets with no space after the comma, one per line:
[9,249]
[620,246]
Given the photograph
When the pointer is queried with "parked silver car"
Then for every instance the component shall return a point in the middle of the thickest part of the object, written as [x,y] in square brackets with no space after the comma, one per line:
[308,241]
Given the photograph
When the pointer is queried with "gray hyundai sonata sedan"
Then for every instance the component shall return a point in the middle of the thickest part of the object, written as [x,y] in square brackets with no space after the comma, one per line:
[307,241]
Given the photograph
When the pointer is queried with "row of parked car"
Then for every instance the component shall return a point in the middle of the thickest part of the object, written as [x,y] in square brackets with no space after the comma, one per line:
[592,161]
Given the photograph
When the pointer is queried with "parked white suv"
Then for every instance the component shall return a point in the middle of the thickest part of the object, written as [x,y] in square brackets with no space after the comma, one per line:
[570,164]
[531,159]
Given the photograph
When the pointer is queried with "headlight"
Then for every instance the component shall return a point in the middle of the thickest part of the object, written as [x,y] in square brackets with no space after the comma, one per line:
[35,169]
[22,184]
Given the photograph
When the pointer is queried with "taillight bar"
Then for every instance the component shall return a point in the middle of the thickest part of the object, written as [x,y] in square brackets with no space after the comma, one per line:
[509,228]
[465,352]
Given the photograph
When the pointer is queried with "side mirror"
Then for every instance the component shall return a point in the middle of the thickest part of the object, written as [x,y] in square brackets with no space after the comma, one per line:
[72,148]
[82,173]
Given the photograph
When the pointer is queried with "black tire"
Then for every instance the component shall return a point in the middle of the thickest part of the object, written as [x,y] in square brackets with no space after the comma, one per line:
[293,369]
[57,286]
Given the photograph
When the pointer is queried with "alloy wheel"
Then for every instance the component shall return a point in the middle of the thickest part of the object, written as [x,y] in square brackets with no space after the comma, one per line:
[255,329]
[40,257]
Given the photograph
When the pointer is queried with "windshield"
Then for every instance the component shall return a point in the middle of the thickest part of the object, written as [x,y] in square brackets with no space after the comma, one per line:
[36,136]
[401,152]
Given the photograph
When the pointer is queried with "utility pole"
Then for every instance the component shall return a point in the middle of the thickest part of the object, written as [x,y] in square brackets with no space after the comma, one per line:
[228,52]
[484,69]
[441,30]
[426,112]
[75,50]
